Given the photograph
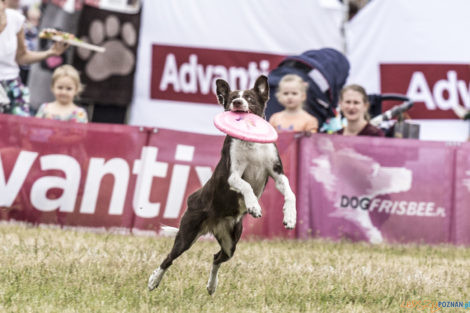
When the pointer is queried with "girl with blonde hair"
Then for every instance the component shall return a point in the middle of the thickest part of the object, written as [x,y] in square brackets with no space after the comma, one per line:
[291,94]
[65,86]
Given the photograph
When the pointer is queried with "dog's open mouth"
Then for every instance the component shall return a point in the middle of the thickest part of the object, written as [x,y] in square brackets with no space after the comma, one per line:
[240,111]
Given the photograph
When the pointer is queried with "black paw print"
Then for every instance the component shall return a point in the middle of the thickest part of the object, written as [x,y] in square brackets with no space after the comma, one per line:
[118,59]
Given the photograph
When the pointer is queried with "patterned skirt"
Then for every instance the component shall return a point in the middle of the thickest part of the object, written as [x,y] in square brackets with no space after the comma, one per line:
[18,94]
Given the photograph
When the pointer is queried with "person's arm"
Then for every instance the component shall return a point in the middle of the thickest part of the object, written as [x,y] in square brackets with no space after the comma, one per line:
[25,56]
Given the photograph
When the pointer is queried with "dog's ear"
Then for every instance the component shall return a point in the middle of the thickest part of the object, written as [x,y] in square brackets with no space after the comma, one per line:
[223,90]
[262,88]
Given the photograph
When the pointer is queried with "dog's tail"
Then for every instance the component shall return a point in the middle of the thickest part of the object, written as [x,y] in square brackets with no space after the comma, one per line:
[168,231]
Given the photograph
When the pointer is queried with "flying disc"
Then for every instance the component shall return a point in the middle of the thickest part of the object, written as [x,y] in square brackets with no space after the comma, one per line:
[245,126]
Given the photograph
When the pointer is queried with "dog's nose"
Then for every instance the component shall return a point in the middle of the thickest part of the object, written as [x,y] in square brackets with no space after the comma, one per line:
[237,103]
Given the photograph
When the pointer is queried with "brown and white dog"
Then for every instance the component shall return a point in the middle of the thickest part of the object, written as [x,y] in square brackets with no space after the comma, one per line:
[234,188]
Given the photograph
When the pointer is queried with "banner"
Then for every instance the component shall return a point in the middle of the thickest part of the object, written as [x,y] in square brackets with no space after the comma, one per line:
[376,190]
[462,195]
[68,173]
[185,46]
[136,179]
[434,87]
[188,74]
[110,176]
[109,76]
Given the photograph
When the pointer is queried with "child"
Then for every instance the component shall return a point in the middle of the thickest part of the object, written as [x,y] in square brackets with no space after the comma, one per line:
[65,86]
[291,94]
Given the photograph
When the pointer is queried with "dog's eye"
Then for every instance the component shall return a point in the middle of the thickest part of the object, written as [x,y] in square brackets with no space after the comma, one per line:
[249,99]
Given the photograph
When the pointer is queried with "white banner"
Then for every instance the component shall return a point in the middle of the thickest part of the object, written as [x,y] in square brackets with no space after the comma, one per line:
[418,48]
[185,45]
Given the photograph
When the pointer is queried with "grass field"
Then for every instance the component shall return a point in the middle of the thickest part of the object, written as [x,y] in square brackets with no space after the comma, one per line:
[52,270]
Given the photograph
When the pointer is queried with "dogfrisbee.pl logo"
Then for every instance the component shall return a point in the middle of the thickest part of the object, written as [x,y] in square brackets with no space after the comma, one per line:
[188,74]
[435,88]
[396,207]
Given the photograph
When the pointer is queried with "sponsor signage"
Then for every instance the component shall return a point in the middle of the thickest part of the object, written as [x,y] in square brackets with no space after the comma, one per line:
[188,74]
[114,176]
[435,88]
[117,176]
[410,208]
[360,188]
[146,170]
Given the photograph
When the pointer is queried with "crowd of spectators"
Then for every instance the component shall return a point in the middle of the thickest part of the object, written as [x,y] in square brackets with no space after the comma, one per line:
[19,20]
[18,49]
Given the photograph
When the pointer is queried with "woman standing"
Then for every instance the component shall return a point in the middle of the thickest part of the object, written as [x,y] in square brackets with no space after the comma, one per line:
[13,52]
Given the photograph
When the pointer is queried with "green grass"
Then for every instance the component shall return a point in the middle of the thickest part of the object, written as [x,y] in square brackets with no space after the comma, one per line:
[52,270]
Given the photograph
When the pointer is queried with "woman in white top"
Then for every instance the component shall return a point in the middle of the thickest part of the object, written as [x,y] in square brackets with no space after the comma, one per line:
[13,52]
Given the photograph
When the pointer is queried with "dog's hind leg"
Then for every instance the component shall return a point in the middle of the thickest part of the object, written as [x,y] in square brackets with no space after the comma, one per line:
[228,243]
[190,229]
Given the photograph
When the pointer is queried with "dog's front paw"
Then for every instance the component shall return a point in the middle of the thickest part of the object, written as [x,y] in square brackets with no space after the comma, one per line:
[290,217]
[254,209]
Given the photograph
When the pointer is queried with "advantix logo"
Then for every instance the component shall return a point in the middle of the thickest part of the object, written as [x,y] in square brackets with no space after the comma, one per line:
[435,88]
[397,207]
[146,170]
[188,74]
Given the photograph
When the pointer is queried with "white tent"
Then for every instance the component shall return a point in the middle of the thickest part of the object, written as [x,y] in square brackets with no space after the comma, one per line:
[419,48]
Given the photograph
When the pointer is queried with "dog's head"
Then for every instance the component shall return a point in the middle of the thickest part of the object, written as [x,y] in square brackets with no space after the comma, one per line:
[251,100]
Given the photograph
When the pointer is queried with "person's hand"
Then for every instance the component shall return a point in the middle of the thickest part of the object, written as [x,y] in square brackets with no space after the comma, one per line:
[58,48]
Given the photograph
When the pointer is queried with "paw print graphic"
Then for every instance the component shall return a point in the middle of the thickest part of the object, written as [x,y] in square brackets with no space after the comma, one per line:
[118,58]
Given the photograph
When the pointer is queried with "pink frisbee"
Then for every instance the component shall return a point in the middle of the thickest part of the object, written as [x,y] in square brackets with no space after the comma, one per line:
[245,126]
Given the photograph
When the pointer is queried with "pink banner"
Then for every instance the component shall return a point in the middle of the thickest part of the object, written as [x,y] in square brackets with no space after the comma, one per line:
[375,189]
[462,195]
[68,173]
[115,176]
[129,178]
